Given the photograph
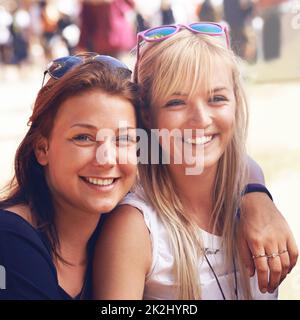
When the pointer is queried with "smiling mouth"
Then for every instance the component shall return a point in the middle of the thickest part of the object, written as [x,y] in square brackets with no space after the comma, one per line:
[102,182]
[199,140]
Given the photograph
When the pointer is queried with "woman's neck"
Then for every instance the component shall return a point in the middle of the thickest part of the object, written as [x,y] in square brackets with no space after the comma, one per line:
[195,193]
[74,228]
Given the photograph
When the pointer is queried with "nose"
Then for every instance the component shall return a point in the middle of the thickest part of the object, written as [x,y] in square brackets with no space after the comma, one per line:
[200,114]
[106,154]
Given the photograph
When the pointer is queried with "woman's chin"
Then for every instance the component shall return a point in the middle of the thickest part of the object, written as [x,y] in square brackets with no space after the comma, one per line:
[105,208]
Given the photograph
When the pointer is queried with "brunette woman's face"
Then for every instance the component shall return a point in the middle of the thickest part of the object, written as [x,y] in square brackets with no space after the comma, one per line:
[83,171]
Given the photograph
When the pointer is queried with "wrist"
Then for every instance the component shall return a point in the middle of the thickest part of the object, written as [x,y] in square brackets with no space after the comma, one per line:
[256,187]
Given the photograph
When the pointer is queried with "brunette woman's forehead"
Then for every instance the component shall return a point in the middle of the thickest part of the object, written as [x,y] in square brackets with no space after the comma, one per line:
[93,127]
[95,110]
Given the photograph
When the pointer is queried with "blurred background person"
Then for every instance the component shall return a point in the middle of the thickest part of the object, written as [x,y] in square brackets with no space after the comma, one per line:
[236,14]
[206,11]
[271,32]
[6,21]
[49,16]
[20,30]
[166,12]
[105,27]
[60,33]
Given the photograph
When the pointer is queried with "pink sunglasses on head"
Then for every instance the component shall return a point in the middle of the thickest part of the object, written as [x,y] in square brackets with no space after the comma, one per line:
[164,32]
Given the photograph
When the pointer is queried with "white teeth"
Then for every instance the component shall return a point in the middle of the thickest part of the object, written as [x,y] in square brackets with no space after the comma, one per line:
[100,182]
[198,140]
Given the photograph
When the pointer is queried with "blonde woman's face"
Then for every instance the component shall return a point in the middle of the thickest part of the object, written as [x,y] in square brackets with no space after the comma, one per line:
[83,171]
[212,113]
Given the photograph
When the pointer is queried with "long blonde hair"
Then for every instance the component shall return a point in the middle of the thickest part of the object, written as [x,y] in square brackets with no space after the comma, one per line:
[185,61]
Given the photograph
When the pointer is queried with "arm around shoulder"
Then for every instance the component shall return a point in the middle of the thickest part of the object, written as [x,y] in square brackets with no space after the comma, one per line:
[256,174]
[122,256]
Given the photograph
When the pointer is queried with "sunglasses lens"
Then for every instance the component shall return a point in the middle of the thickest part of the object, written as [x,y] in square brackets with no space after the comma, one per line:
[60,66]
[112,62]
[159,33]
[207,28]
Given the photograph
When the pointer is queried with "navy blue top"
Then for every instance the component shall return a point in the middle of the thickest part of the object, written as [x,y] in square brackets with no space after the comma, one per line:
[26,256]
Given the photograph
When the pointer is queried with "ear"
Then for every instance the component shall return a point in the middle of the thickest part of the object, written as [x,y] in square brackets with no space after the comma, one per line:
[41,151]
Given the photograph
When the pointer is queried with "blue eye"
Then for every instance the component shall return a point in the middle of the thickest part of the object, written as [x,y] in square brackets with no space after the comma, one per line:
[83,139]
[217,99]
[125,139]
[175,102]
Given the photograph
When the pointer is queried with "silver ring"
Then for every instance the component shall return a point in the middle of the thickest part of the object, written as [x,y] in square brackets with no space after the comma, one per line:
[283,251]
[273,255]
[259,256]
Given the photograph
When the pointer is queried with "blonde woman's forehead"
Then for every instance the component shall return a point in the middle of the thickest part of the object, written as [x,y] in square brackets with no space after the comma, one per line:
[186,65]
[221,74]
[218,79]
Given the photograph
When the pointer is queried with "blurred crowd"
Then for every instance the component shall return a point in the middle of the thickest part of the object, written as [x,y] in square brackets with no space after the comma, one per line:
[43,29]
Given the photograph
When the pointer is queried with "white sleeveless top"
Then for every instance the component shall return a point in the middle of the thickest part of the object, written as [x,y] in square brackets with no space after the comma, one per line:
[159,283]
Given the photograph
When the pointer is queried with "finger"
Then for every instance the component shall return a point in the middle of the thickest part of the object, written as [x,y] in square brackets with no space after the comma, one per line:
[275,272]
[285,263]
[293,252]
[246,256]
[262,269]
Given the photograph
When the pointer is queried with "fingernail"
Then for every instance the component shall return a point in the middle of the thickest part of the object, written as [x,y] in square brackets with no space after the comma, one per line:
[264,290]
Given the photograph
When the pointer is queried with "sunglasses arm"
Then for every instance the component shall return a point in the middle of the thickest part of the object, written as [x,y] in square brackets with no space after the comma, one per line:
[227,37]
[45,72]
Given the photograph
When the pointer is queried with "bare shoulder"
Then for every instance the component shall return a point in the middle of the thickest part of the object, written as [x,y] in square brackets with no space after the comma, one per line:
[126,217]
[123,256]
[125,233]
[23,211]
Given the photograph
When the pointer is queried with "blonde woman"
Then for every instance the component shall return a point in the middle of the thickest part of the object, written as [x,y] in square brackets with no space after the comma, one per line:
[174,236]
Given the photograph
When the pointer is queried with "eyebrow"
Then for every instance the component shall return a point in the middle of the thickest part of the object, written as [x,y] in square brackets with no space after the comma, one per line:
[84,125]
[220,89]
[179,94]
[217,89]
[127,128]
[90,126]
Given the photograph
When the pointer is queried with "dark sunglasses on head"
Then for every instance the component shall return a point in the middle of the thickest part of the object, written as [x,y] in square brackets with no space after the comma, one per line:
[60,66]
